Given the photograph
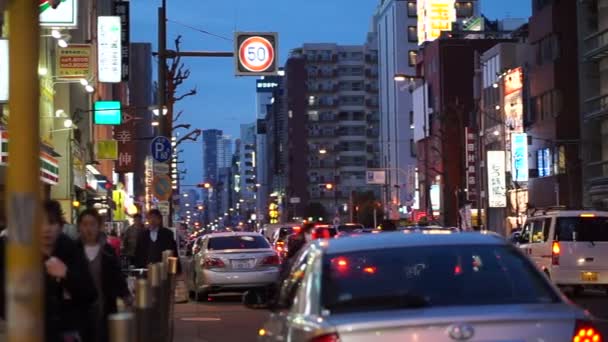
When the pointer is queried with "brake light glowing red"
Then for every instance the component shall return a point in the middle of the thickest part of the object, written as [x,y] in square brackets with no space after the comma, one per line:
[326,338]
[213,263]
[586,332]
[457,270]
[296,229]
[271,260]
[555,251]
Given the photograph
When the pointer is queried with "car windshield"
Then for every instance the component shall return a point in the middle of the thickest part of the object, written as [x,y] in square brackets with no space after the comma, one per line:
[348,228]
[237,242]
[586,229]
[431,276]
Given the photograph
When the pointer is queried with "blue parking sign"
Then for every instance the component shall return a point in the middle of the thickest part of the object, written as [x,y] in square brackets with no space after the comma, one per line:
[161,149]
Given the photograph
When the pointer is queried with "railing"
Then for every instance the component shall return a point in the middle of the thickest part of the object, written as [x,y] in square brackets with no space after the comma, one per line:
[596,107]
[596,44]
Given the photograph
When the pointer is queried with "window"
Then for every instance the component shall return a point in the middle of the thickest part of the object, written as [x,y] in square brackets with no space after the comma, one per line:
[581,229]
[547,49]
[411,57]
[540,230]
[412,11]
[412,148]
[464,9]
[416,277]
[237,242]
[412,34]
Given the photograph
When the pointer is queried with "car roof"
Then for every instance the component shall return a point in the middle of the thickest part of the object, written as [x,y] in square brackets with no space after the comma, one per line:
[399,239]
[213,235]
[567,213]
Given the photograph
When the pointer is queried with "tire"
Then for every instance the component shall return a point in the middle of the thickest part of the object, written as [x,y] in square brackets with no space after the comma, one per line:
[201,296]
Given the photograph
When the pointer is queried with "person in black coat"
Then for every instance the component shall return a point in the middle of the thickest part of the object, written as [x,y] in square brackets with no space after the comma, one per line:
[152,242]
[108,279]
[68,287]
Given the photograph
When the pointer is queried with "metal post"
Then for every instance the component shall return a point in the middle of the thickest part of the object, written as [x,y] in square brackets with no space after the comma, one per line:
[164,295]
[121,327]
[23,267]
[375,217]
[143,307]
[172,282]
[155,291]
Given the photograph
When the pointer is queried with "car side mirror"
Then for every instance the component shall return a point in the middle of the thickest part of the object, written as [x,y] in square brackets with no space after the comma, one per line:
[256,299]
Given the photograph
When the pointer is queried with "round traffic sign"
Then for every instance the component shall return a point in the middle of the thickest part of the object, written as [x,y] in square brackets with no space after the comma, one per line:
[161,187]
[161,149]
[256,54]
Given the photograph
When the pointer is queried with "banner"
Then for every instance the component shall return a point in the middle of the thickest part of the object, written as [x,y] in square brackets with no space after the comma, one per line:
[470,158]
[121,9]
[376,177]
[109,49]
[124,134]
[497,188]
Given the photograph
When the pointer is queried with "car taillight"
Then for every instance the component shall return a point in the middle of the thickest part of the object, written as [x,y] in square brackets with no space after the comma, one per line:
[213,263]
[584,331]
[555,251]
[326,338]
[271,260]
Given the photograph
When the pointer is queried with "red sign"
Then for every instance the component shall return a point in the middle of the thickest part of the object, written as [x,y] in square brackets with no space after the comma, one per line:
[470,157]
[514,81]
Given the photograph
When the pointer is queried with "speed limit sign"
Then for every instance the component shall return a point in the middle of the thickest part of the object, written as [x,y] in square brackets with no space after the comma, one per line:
[256,53]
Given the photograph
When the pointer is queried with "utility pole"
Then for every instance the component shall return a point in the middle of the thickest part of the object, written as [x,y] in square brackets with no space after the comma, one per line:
[23,256]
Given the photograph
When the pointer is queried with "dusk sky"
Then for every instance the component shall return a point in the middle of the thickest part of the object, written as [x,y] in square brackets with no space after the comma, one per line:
[225,101]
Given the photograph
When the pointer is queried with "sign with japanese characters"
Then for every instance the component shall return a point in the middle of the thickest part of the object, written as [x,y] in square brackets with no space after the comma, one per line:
[74,61]
[121,9]
[4,73]
[107,150]
[434,16]
[497,187]
[470,157]
[109,49]
[125,134]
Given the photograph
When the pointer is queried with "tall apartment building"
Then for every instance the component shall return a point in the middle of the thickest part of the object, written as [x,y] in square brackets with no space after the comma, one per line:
[342,120]
[397,25]
[247,167]
[593,47]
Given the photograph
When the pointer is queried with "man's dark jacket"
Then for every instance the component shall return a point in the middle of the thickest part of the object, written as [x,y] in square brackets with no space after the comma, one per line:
[66,301]
[149,252]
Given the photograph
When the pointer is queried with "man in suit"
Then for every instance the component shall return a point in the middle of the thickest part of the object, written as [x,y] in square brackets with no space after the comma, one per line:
[153,241]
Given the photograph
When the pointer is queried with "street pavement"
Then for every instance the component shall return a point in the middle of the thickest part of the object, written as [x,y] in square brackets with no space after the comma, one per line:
[221,319]
[224,319]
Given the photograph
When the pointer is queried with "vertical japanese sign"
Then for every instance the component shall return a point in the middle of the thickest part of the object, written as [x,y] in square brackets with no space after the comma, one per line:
[497,187]
[519,157]
[434,16]
[121,9]
[470,157]
[4,73]
[124,134]
[109,49]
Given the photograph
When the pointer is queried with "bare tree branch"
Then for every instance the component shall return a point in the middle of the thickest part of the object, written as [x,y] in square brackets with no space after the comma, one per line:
[192,92]
[176,117]
[193,135]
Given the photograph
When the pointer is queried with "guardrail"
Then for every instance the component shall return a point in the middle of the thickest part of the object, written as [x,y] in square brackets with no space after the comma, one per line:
[151,319]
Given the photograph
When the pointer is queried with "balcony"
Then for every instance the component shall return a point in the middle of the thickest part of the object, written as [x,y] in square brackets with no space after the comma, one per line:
[596,177]
[596,107]
[596,45]
[372,89]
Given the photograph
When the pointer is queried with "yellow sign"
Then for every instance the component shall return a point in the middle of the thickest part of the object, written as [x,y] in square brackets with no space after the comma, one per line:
[74,61]
[107,150]
[118,196]
[434,16]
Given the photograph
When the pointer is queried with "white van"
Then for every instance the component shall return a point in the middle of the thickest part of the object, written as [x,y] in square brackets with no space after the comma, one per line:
[570,246]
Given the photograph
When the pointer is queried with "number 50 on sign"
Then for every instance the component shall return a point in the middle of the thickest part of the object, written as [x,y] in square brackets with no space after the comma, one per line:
[255,53]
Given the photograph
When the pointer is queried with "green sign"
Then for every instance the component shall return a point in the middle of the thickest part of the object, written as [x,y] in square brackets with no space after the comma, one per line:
[107,113]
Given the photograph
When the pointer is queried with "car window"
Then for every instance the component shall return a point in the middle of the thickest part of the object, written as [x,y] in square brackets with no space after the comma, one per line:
[293,281]
[540,230]
[581,229]
[237,242]
[397,277]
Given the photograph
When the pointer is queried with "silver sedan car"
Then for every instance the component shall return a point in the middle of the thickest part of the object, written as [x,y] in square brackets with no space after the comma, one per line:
[397,287]
[228,262]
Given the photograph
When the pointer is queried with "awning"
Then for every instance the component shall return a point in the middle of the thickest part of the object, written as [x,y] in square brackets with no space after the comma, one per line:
[49,166]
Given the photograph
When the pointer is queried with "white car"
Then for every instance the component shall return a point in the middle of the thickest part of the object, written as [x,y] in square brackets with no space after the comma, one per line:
[569,246]
[396,287]
[229,262]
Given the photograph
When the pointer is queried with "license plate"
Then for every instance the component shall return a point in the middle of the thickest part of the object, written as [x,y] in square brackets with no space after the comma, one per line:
[589,276]
[242,264]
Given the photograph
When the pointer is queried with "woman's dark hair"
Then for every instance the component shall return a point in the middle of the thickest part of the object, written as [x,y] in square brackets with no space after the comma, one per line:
[155,212]
[90,212]
[54,212]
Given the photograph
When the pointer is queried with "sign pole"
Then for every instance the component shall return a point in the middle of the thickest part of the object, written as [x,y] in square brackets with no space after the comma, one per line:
[23,256]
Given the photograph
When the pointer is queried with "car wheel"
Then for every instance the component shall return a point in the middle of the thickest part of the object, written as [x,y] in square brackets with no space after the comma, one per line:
[201,296]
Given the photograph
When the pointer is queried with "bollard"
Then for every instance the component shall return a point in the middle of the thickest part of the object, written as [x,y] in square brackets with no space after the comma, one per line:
[154,278]
[121,327]
[143,307]
[172,282]
[164,298]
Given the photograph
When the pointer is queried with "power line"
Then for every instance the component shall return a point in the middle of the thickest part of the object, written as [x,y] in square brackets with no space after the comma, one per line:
[201,30]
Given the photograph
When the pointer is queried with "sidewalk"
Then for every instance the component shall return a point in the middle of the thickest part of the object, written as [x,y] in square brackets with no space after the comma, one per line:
[2,331]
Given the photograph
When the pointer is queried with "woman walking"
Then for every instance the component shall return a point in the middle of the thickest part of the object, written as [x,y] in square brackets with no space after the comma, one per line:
[104,267]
